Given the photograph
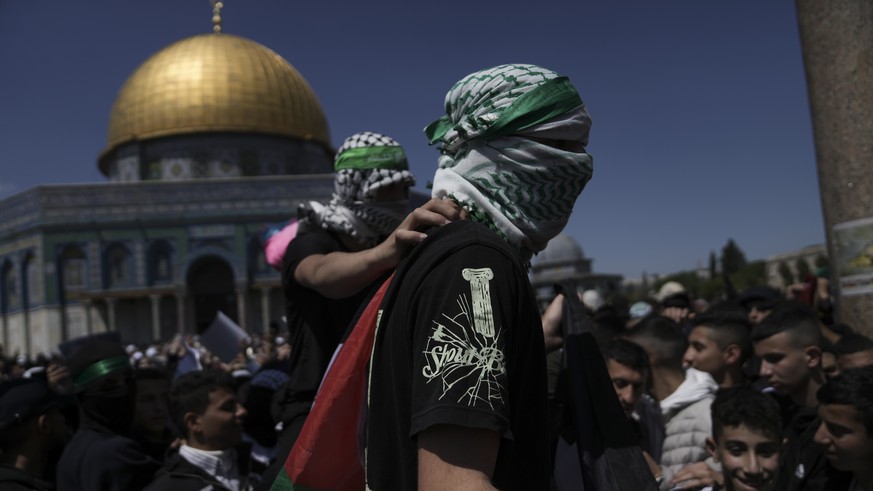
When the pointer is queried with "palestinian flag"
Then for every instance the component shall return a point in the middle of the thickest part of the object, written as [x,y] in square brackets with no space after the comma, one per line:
[326,455]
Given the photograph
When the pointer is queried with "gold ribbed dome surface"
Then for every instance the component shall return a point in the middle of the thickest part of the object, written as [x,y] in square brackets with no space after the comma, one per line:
[216,83]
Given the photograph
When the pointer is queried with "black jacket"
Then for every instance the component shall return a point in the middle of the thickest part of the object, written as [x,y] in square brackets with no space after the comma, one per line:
[180,475]
[99,459]
[805,466]
[13,479]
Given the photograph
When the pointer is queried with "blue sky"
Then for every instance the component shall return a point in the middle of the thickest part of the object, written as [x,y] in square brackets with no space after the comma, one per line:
[701,124]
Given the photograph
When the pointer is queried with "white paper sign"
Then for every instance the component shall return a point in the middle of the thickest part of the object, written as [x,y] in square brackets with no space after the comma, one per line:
[223,337]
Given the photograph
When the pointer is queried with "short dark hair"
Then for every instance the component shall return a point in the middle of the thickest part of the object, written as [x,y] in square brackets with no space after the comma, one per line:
[627,353]
[663,340]
[728,327]
[744,405]
[794,317]
[853,387]
[190,393]
[852,343]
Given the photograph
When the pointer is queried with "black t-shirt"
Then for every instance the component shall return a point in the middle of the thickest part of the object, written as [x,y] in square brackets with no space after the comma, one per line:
[459,342]
[804,462]
[315,323]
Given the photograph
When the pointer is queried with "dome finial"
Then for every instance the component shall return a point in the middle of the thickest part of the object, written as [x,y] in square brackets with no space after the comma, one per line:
[216,15]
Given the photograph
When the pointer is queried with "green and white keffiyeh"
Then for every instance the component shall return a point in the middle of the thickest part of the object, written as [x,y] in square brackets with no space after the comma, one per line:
[513,142]
[364,163]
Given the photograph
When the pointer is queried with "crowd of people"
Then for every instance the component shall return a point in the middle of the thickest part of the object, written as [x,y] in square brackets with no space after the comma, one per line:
[465,377]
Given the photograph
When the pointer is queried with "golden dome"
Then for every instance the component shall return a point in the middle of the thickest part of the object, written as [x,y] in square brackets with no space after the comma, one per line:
[215,83]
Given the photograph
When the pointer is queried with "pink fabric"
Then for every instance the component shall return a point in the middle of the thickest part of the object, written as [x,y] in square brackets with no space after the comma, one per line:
[274,249]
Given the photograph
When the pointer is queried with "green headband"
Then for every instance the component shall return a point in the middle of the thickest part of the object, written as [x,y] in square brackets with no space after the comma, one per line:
[366,158]
[99,369]
[553,98]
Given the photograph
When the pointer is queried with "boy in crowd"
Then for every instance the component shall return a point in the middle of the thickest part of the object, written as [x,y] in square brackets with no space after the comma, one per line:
[32,435]
[628,367]
[759,301]
[788,344]
[719,344]
[746,439]
[151,416]
[685,396]
[853,350]
[846,430]
[205,409]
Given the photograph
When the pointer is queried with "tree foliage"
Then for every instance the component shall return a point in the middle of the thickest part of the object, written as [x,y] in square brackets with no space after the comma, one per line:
[786,274]
[732,258]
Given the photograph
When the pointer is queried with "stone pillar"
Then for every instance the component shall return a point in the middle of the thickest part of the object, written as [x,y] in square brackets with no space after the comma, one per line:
[241,306]
[5,331]
[86,304]
[180,312]
[837,42]
[156,317]
[265,309]
[110,308]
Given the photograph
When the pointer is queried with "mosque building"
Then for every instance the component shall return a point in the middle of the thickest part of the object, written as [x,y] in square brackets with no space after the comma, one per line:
[563,259]
[210,140]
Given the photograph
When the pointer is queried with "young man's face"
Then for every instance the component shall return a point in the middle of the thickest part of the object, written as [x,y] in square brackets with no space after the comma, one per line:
[855,360]
[749,458]
[757,314]
[221,424]
[151,405]
[629,384]
[703,352]
[783,364]
[848,446]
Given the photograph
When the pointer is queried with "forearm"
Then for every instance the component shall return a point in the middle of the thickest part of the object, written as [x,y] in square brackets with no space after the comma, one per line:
[343,274]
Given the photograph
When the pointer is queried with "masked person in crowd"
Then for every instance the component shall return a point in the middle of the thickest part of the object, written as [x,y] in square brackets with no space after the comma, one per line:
[100,456]
[341,249]
[457,394]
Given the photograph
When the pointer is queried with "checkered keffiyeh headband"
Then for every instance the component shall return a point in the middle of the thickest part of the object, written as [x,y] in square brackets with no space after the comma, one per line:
[513,142]
[364,163]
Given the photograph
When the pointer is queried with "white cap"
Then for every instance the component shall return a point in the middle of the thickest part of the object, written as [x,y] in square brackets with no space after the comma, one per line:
[669,289]
[151,352]
[592,299]
[30,372]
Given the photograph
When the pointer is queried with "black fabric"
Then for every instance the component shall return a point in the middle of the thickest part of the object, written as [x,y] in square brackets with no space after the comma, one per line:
[436,362]
[609,455]
[315,324]
[178,474]
[804,463]
[91,352]
[99,459]
[13,479]
[20,399]
[112,408]
[157,450]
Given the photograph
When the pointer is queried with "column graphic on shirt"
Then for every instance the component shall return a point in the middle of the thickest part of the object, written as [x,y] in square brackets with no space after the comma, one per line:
[463,352]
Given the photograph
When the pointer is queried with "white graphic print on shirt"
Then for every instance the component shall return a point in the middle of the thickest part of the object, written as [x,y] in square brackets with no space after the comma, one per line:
[464,346]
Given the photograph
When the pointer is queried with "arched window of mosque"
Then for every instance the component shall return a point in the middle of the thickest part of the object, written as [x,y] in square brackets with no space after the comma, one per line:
[11,298]
[118,267]
[161,262]
[34,282]
[73,268]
